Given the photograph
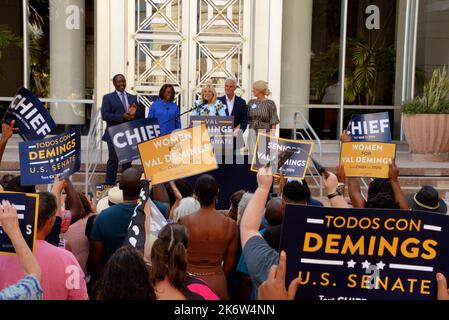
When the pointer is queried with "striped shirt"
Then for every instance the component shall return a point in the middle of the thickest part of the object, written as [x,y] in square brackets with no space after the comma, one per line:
[262,114]
[27,288]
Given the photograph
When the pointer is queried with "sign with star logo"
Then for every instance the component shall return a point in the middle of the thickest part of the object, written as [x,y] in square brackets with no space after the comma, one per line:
[42,160]
[365,254]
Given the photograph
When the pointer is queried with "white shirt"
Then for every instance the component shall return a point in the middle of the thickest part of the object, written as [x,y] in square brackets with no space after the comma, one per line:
[230,104]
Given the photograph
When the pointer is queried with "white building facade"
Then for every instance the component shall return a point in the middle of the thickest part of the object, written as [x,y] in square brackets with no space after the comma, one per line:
[380,50]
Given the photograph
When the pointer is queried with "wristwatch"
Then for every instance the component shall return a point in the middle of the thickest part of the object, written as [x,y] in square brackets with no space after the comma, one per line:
[333,195]
[341,188]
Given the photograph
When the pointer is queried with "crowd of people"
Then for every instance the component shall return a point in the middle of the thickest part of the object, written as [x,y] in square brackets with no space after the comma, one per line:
[84,250]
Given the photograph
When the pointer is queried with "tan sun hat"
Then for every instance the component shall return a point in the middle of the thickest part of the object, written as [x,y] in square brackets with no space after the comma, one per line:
[115,196]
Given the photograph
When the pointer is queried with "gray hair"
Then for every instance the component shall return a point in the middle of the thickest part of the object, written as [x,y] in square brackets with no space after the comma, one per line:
[246,198]
[234,80]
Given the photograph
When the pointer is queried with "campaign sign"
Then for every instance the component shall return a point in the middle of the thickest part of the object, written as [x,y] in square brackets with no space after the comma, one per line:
[128,135]
[289,157]
[27,206]
[136,235]
[179,155]
[100,188]
[41,161]
[220,130]
[364,254]
[367,159]
[370,127]
[32,119]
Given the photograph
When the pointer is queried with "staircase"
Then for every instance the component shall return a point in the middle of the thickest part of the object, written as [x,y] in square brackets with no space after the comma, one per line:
[413,175]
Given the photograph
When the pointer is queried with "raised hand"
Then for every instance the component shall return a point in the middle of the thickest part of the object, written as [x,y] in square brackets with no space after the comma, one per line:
[274,287]
[8,130]
[8,219]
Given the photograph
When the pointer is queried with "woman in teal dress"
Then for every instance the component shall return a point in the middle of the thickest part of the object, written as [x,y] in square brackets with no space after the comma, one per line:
[209,105]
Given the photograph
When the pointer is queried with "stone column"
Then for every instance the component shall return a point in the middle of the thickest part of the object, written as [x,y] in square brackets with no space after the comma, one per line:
[67,59]
[296,55]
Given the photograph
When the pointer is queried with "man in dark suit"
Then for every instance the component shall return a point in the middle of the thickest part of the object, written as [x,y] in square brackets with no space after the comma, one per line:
[118,107]
[236,107]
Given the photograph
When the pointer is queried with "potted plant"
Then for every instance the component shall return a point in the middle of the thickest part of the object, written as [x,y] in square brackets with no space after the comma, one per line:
[426,120]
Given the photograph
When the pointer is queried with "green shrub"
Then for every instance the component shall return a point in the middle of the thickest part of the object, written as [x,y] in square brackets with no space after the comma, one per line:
[435,96]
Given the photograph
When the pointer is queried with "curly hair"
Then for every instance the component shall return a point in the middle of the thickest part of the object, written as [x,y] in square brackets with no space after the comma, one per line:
[125,277]
[382,200]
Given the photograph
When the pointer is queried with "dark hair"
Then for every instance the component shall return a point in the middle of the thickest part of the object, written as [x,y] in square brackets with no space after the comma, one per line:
[116,76]
[296,191]
[184,188]
[382,200]
[274,212]
[164,88]
[130,184]
[125,277]
[85,202]
[5,179]
[235,200]
[378,186]
[14,186]
[206,190]
[169,256]
[47,208]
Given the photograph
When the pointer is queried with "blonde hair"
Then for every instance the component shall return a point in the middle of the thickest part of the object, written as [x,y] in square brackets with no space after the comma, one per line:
[212,88]
[262,87]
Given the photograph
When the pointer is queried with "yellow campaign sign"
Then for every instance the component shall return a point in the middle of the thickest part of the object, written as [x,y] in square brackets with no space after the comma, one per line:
[367,159]
[179,155]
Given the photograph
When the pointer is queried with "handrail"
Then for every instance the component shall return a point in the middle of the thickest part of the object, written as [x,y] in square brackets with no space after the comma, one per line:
[316,178]
[94,150]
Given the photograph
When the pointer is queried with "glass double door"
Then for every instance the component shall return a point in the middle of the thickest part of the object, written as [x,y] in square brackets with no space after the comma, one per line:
[189,44]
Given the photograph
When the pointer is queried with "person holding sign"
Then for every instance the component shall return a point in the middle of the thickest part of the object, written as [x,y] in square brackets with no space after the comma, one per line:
[166,111]
[258,255]
[209,105]
[118,107]
[59,266]
[262,113]
[28,288]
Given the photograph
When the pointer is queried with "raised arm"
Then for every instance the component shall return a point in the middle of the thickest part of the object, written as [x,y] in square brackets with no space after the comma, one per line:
[336,199]
[250,224]
[355,193]
[399,197]
[160,194]
[73,201]
[58,186]
[178,197]
[10,224]
[7,131]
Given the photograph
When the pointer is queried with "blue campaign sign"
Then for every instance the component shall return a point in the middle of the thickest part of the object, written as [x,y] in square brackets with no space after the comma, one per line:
[27,206]
[289,157]
[128,135]
[41,161]
[32,119]
[365,254]
[370,127]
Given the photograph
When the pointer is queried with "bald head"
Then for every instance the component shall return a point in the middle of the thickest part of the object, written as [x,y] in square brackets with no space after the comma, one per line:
[274,212]
[130,184]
